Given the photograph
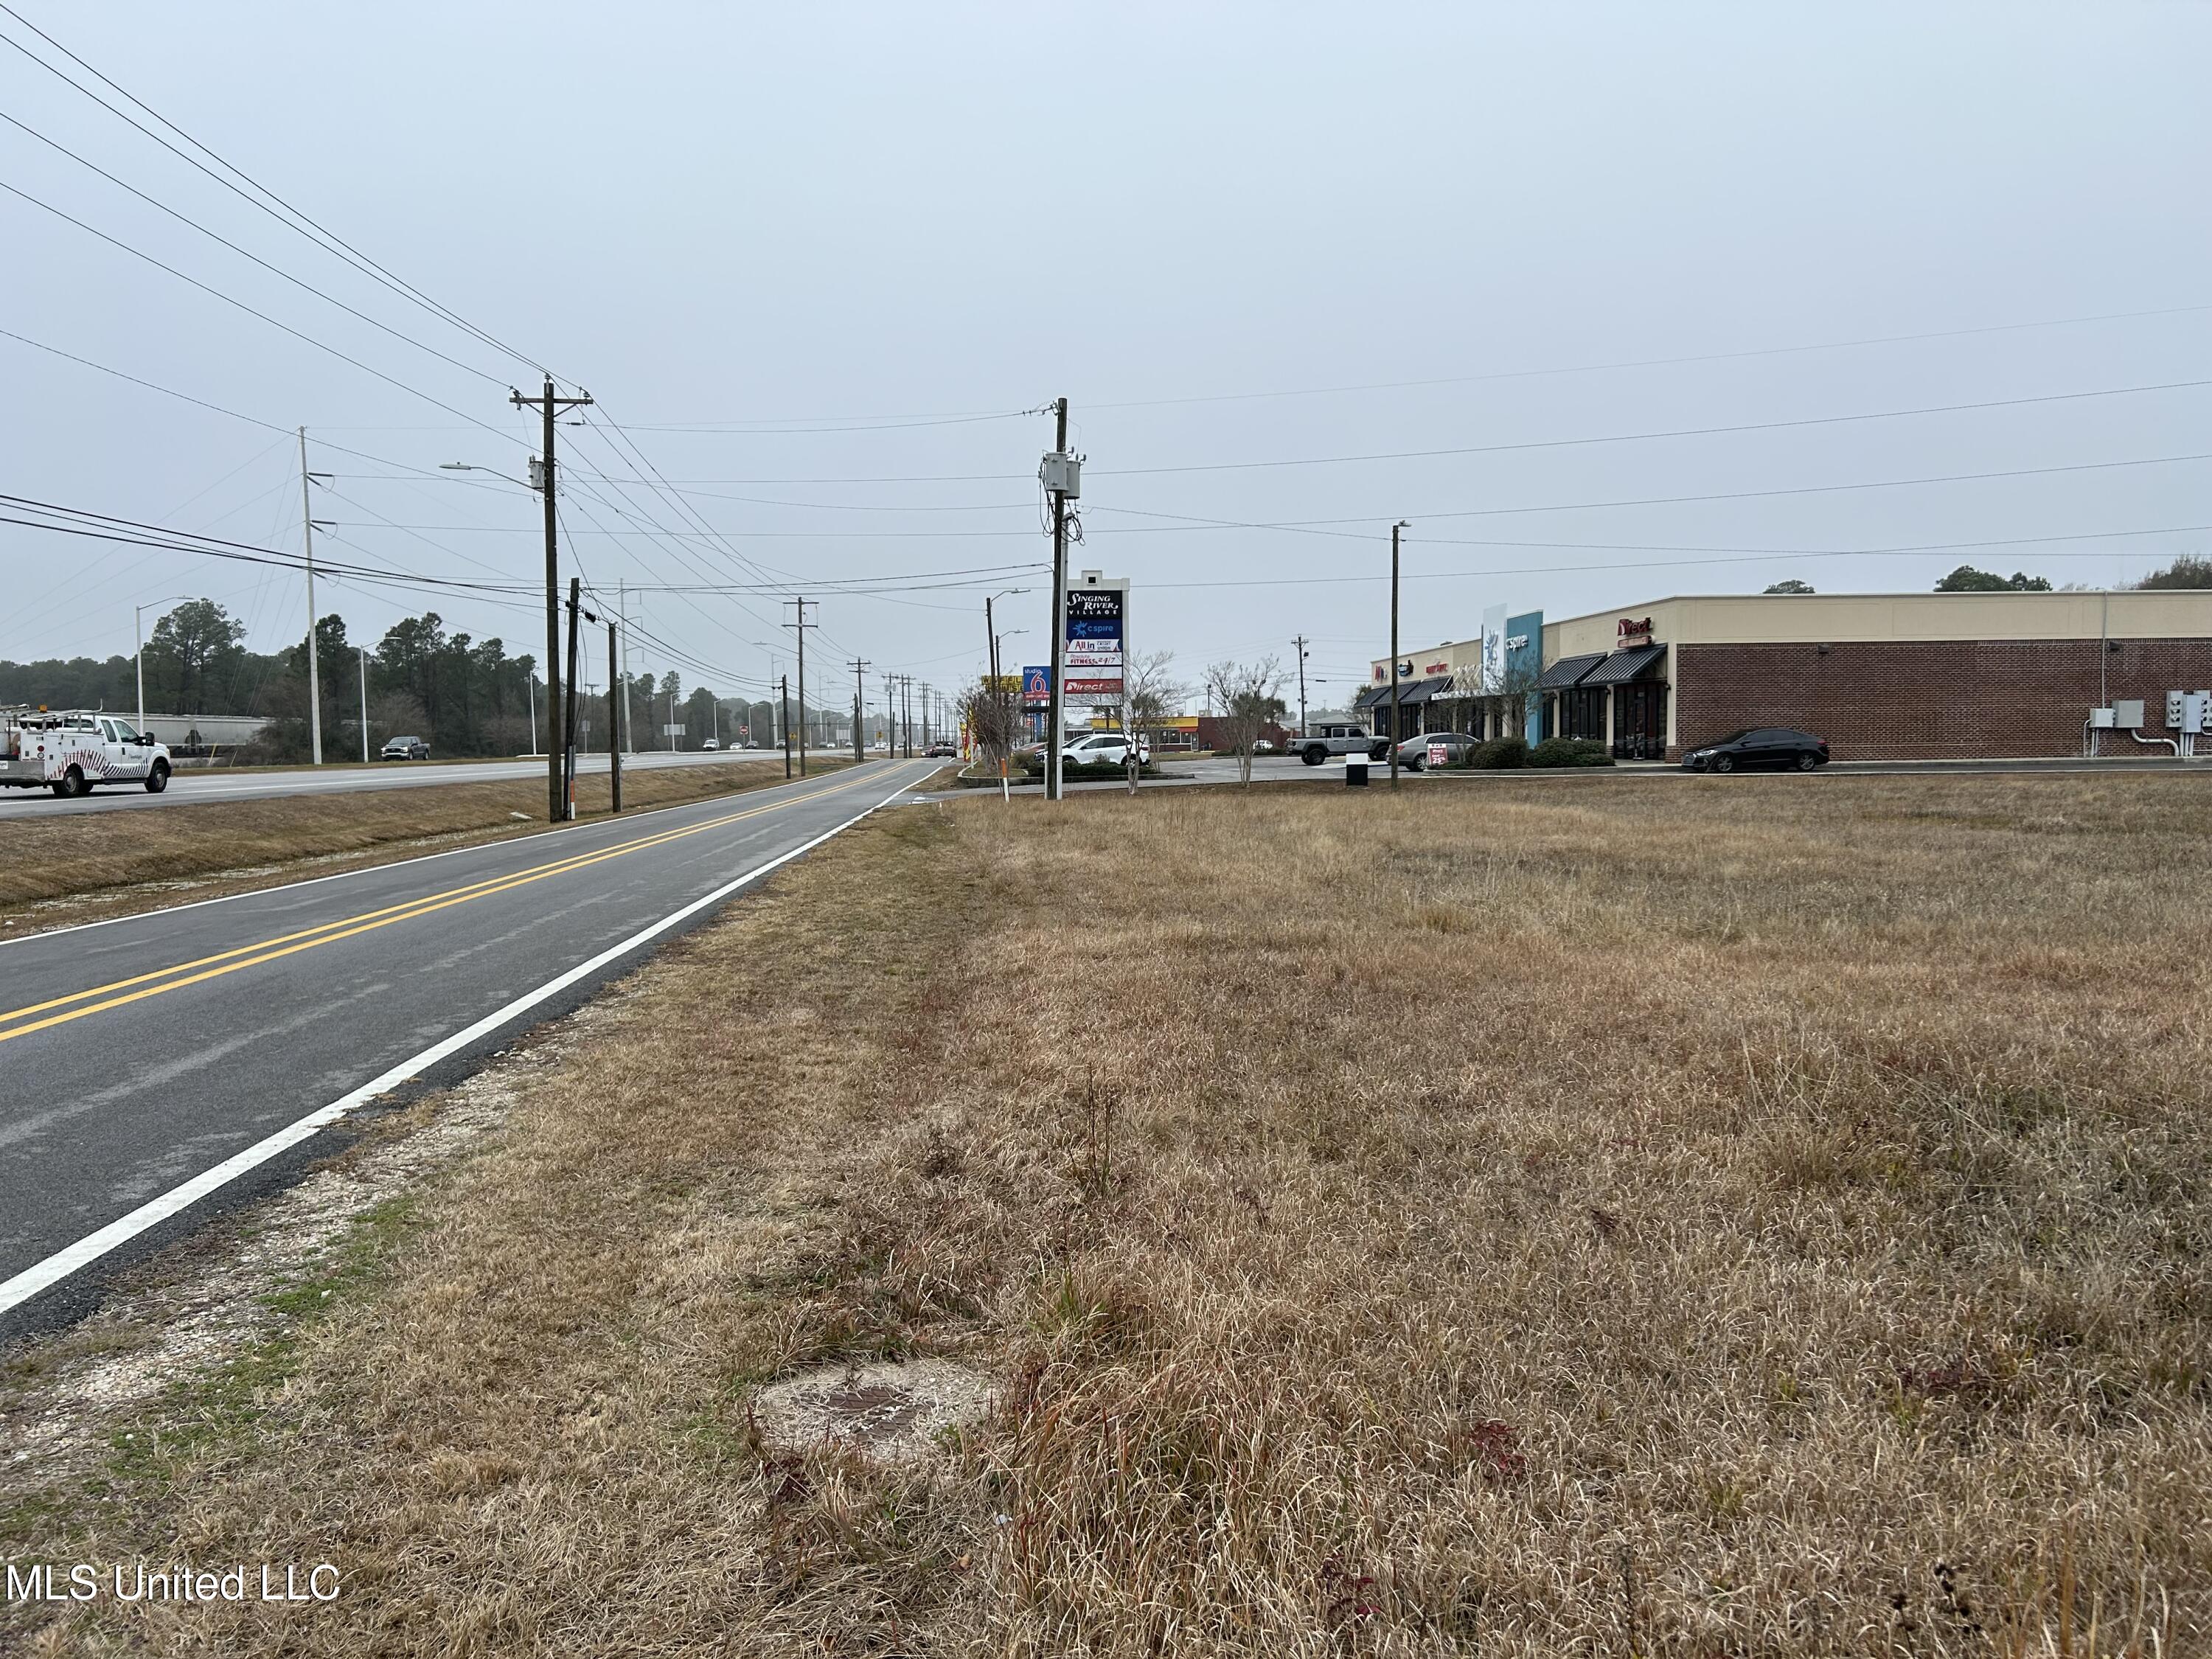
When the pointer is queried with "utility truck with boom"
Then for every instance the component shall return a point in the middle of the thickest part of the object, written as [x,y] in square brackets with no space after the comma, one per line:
[72,749]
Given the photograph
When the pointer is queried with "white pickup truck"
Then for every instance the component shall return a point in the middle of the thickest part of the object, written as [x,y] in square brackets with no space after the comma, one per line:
[1323,741]
[70,751]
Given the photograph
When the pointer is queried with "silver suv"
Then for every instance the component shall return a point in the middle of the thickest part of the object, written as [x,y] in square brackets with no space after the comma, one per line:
[1323,741]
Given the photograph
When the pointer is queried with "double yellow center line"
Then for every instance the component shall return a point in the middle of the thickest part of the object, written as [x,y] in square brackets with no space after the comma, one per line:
[59,1011]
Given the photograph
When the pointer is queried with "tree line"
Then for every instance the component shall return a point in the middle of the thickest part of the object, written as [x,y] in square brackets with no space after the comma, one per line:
[461,694]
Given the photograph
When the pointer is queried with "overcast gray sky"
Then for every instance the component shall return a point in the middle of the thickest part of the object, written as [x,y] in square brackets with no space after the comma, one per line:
[742,218]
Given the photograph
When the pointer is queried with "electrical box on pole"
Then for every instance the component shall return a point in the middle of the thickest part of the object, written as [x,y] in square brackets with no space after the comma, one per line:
[1062,474]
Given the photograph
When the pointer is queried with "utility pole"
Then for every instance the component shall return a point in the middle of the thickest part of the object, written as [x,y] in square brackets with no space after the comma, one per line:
[1060,475]
[569,722]
[785,702]
[800,627]
[1300,643]
[891,717]
[616,723]
[622,598]
[860,666]
[549,406]
[363,650]
[314,679]
[1395,529]
[906,711]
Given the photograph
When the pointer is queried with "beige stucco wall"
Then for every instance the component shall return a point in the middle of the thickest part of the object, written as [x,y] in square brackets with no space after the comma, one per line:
[1818,618]
[1456,655]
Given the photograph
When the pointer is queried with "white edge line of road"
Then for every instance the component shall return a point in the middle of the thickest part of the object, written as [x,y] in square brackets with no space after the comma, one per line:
[395,864]
[43,1275]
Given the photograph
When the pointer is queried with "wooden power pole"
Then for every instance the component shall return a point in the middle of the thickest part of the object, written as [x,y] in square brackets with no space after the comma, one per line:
[549,406]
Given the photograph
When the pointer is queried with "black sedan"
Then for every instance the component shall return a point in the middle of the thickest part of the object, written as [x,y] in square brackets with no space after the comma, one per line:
[1759,748]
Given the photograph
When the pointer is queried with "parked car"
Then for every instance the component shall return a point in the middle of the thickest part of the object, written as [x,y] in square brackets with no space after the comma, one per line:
[710,743]
[1773,748]
[1262,746]
[407,747]
[942,750]
[1104,749]
[1414,752]
[1320,744]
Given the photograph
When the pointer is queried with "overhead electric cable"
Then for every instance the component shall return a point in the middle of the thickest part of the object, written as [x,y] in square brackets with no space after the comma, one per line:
[1197,521]
[1644,437]
[250,311]
[1656,362]
[274,270]
[297,221]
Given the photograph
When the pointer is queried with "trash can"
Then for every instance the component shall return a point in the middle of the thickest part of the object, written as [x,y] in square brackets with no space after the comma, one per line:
[1355,771]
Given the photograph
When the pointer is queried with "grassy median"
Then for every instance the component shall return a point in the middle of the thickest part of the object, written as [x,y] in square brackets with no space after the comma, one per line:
[83,867]
[1761,1216]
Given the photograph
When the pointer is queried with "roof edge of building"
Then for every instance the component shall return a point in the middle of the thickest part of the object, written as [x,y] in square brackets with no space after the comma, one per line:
[1880,593]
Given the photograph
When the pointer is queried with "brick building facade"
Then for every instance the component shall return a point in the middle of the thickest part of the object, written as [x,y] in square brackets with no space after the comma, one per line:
[1905,676]
[1920,700]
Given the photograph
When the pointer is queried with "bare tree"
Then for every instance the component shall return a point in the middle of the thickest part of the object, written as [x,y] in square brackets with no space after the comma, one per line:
[1249,698]
[992,722]
[1150,691]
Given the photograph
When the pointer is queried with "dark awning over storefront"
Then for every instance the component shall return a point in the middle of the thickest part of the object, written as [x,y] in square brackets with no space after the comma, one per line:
[1568,670]
[1410,692]
[1623,666]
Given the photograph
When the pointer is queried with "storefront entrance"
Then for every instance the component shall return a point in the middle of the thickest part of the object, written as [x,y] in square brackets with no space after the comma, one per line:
[1639,721]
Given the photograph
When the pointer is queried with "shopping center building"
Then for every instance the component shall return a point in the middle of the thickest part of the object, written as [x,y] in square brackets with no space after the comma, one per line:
[1880,676]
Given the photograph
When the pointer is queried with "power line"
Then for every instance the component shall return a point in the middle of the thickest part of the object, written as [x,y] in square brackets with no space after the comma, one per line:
[864,423]
[74,520]
[250,311]
[1315,524]
[1737,555]
[274,270]
[409,472]
[722,537]
[1660,362]
[1642,437]
[297,221]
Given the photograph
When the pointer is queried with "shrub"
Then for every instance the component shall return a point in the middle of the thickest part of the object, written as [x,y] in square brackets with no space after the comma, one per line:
[1499,752]
[1569,751]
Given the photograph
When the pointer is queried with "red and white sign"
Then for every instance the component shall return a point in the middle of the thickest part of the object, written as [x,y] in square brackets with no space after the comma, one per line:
[1439,755]
[1109,689]
[1630,631]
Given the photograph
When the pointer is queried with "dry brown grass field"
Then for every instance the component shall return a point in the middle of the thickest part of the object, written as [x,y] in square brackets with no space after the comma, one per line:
[80,866]
[1746,1216]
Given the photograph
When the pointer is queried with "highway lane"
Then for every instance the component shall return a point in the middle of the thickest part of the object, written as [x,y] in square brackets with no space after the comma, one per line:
[140,1056]
[188,788]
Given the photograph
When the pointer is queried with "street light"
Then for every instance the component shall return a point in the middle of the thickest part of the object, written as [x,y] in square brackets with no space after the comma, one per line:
[139,627]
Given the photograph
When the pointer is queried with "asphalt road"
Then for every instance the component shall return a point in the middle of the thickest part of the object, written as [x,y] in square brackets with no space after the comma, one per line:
[189,788]
[159,1067]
